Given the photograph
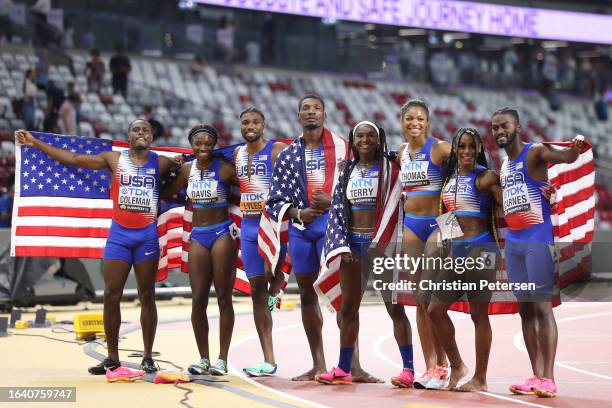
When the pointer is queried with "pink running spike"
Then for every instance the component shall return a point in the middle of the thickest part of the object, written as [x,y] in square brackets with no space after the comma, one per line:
[546,388]
[526,388]
[404,380]
[334,377]
[123,374]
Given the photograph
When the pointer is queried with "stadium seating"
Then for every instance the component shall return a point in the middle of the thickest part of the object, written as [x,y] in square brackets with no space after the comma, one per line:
[180,100]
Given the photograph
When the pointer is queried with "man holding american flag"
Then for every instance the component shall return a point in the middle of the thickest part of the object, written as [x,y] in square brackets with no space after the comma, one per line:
[132,239]
[529,241]
[303,181]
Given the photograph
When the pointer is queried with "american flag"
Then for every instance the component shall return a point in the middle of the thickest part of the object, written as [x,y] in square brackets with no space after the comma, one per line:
[288,189]
[337,237]
[572,215]
[65,211]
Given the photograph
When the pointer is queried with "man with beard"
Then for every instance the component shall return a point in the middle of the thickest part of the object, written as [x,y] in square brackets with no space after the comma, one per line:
[529,242]
[254,163]
[132,238]
[304,178]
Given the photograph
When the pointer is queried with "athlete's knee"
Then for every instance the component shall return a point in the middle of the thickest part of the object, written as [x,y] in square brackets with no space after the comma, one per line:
[527,311]
[224,301]
[147,297]
[259,292]
[113,295]
[479,318]
[308,298]
[543,310]
[199,300]
[436,311]
[422,307]
[396,313]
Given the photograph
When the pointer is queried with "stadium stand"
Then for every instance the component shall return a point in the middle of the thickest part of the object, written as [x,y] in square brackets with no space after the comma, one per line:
[181,100]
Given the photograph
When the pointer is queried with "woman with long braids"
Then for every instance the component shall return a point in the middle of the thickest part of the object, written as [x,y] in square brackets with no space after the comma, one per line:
[467,192]
[421,160]
[365,210]
[212,251]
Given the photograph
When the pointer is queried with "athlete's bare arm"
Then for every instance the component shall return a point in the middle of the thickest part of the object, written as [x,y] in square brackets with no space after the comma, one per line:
[400,151]
[171,191]
[227,173]
[92,161]
[440,152]
[540,155]
[276,149]
[489,183]
[567,155]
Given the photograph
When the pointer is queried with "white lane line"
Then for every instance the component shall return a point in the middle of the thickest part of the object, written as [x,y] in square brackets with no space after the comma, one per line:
[377,348]
[518,343]
[248,379]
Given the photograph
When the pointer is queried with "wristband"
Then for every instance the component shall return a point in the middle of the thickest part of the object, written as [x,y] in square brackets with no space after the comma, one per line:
[299,215]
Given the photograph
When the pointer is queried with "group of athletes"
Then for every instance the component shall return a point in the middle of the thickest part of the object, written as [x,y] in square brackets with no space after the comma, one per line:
[436,176]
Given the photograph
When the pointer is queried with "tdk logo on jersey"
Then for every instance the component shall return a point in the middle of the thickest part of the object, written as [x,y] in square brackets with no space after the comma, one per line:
[258,169]
[137,181]
[253,197]
[315,164]
[419,156]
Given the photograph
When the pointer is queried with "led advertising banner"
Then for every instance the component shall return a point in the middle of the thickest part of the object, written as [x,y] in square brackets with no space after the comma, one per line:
[461,16]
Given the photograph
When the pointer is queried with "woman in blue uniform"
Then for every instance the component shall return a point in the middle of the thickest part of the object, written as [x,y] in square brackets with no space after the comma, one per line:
[212,251]
[469,189]
[360,199]
[421,160]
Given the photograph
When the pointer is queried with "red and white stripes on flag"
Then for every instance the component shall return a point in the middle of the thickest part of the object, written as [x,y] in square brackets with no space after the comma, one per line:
[69,227]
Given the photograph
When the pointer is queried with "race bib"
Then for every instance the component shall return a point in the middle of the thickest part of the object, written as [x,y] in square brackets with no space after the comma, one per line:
[204,191]
[414,173]
[135,199]
[449,226]
[516,199]
[362,190]
[252,203]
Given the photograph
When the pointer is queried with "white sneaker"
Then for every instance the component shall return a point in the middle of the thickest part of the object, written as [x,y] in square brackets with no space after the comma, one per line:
[421,383]
[439,378]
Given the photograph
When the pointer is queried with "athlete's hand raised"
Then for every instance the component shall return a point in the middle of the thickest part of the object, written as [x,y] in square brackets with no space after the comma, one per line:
[23,137]
[579,141]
